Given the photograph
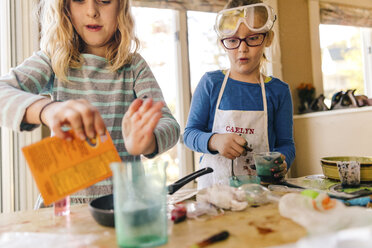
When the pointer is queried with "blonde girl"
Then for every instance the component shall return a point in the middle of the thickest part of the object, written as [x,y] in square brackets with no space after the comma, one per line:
[88,76]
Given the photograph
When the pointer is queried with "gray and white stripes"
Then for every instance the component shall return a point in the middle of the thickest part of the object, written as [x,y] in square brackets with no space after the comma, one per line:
[110,92]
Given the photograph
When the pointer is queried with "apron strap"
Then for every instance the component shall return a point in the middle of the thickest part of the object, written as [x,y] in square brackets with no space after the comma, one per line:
[222,89]
[264,101]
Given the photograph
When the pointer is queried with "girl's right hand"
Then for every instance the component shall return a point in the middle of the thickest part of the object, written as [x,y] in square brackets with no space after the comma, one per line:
[83,118]
[229,145]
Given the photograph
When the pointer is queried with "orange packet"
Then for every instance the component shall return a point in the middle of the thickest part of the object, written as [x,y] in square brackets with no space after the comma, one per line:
[62,167]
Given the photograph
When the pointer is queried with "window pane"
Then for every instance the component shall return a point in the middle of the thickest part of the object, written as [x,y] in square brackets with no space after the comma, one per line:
[155,29]
[204,51]
[342,59]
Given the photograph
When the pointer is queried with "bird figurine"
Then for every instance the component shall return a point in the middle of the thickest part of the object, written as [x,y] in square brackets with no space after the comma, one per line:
[349,99]
[342,100]
[318,104]
[336,99]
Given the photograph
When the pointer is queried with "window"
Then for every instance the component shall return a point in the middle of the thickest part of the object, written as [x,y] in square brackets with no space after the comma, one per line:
[155,29]
[345,54]
[205,53]
[345,32]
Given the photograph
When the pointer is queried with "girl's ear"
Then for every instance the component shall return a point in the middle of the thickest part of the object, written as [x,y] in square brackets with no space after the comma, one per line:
[270,38]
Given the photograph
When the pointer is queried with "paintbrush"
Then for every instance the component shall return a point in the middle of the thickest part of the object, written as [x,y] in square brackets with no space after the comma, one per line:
[213,239]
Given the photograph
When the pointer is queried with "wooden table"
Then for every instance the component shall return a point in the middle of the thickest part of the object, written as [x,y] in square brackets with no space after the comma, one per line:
[254,227]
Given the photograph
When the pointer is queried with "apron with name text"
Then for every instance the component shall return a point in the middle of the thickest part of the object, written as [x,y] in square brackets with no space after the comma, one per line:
[252,125]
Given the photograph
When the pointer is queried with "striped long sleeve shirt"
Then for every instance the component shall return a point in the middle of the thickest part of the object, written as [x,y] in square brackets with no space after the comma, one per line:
[110,92]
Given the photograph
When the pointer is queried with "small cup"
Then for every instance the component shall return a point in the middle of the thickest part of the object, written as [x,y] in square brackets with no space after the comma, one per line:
[349,172]
[264,162]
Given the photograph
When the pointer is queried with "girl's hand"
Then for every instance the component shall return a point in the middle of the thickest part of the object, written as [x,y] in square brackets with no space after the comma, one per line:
[280,170]
[229,145]
[83,118]
[138,126]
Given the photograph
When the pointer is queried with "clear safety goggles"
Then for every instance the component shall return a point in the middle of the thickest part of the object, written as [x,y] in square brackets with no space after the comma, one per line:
[258,18]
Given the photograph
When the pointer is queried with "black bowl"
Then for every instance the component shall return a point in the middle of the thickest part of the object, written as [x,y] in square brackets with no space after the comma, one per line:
[102,210]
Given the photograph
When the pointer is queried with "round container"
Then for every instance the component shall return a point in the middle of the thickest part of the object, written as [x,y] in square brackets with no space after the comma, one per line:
[264,162]
[102,210]
[329,167]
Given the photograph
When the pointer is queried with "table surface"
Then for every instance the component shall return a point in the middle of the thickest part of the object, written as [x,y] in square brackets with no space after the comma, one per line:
[254,227]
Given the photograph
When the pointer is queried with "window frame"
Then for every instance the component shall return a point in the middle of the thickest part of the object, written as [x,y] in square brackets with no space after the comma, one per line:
[185,155]
[367,59]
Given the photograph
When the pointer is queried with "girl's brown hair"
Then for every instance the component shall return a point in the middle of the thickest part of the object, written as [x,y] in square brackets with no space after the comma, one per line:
[64,46]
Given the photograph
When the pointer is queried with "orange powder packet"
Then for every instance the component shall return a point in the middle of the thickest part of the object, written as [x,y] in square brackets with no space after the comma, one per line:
[62,167]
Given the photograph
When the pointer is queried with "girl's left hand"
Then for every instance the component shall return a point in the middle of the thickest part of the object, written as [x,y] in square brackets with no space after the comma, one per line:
[280,170]
[138,126]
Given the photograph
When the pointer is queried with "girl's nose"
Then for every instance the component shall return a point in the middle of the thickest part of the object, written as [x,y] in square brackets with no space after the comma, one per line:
[243,46]
[92,9]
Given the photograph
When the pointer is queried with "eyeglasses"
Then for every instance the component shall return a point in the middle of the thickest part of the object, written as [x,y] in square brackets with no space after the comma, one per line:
[258,18]
[253,40]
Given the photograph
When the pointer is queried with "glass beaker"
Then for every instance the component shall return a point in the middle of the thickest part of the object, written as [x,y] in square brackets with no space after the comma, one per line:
[140,203]
[264,162]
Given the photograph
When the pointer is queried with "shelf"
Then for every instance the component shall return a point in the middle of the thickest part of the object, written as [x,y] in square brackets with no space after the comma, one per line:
[334,112]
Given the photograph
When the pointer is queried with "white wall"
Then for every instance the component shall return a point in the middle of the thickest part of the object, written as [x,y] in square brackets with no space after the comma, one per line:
[330,133]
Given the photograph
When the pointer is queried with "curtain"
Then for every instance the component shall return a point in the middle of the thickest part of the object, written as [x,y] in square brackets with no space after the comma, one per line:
[17,42]
[196,5]
[339,14]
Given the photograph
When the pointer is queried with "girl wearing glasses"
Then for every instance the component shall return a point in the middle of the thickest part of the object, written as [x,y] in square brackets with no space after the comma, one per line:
[240,111]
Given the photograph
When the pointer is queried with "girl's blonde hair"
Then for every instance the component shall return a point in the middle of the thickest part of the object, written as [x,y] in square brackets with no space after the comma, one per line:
[270,34]
[64,46]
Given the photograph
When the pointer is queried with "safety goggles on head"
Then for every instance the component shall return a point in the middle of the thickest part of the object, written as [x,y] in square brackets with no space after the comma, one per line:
[259,18]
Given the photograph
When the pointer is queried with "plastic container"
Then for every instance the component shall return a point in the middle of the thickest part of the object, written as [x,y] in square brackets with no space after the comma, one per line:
[62,207]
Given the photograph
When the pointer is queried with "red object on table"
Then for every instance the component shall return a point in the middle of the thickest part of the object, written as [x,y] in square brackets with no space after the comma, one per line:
[179,213]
